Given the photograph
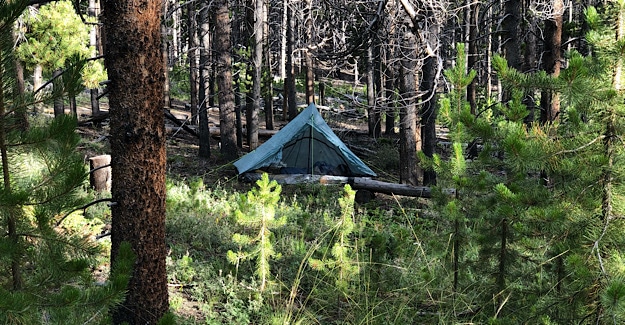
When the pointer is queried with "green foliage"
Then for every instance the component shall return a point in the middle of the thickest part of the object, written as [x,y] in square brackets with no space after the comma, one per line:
[532,199]
[55,35]
[179,82]
[257,211]
[341,263]
[93,74]
[47,252]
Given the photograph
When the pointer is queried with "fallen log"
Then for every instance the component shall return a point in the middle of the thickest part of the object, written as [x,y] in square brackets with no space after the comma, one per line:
[363,183]
[179,123]
[95,119]
[292,179]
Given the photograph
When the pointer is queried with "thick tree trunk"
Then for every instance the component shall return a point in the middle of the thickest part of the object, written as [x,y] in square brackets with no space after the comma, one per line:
[429,110]
[204,31]
[134,64]
[193,66]
[529,65]
[549,101]
[224,80]
[284,26]
[410,128]
[237,110]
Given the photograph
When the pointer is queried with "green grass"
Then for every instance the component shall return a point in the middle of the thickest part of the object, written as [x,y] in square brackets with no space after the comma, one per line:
[385,290]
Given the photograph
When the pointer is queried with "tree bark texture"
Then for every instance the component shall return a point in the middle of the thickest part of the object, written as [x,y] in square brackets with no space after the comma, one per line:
[257,64]
[410,128]
[310,69]
[511,37]
[193,64]
[474,13]
[289,84]
[95,103]
[135,68]
[268,78]
[371,100]
[203,95]
[549,101]
[429,112]
[379,89]
[429,109]
[59,107]
[165,49]
[224,80]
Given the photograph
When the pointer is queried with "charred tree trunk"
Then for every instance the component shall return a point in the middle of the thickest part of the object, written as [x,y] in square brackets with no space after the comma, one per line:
[473,55]
[165,49]
[268,79]
[289,84]
[428,115]
[510,37]
[257,65]
[549,101]
[310,69]
[135,68]
[224,80]
[193,66]
[95,103]
[371,102]
[410,128]
[389,109]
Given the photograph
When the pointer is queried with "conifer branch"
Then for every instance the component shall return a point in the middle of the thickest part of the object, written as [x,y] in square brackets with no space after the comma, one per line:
[601,137]
[83,208]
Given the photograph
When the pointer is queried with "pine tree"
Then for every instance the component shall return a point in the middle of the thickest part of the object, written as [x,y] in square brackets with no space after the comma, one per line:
[47,276]
[538,251]
[256,212]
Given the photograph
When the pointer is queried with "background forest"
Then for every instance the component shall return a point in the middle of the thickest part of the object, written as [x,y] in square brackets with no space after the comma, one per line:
[508,112]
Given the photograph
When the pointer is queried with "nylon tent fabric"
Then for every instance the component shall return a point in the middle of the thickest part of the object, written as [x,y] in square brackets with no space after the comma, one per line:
[305,145]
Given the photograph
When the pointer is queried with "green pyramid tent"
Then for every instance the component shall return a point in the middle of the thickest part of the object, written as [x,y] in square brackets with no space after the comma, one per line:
[306,145]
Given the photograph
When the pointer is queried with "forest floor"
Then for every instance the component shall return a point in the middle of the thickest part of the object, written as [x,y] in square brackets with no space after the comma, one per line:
[183,163]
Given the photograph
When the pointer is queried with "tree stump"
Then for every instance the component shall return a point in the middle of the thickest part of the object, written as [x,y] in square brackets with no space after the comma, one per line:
[100,173]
